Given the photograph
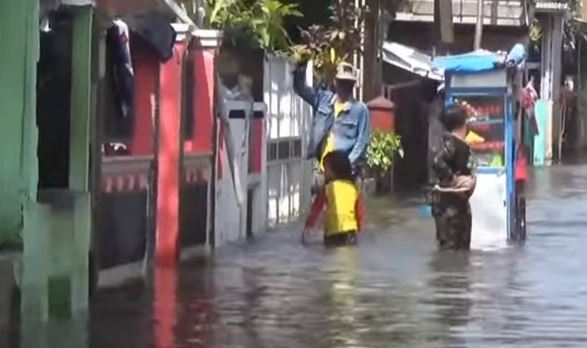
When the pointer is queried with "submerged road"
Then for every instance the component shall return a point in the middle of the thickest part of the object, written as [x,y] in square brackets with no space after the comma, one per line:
[393,290]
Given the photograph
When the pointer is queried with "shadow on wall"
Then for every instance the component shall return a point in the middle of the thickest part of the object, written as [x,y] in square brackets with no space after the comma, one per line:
[413,105]
[53,102]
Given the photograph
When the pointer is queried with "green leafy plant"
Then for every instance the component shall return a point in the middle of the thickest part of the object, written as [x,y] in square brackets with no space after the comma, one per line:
[328,46]
[381,152]
[251,24]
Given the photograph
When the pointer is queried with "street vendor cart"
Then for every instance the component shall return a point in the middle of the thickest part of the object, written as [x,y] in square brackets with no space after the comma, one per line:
[488,84]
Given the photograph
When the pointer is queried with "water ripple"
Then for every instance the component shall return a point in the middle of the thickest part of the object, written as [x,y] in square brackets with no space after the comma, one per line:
[393,290]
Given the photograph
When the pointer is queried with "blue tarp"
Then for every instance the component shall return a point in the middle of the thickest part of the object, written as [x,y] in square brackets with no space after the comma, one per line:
[480,61]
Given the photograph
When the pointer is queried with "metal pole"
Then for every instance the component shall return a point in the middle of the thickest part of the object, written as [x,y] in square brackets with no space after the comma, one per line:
[479,26]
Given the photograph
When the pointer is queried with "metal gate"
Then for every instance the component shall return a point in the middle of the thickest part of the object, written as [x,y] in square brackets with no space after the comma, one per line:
[288,173]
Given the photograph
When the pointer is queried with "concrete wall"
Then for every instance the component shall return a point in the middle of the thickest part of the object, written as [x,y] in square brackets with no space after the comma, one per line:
[232,161]
[550,84]
[168,158]
[258,171]
[56,231]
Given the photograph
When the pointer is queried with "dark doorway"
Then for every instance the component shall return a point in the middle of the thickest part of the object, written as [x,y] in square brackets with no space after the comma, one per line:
[53,102]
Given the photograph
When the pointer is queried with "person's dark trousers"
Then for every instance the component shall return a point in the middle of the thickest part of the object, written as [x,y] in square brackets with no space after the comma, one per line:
[453,220]
[340,239]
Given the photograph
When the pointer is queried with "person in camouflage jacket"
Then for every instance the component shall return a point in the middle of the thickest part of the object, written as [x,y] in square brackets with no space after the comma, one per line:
[453,167]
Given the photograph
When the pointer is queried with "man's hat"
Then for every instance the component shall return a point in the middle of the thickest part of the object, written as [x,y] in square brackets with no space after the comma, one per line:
[346,71]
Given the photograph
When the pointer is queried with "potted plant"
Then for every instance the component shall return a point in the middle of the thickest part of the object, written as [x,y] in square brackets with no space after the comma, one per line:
[380,159]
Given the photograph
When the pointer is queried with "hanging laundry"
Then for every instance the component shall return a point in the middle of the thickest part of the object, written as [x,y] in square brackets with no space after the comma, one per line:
[155,30]
[121,69]
[529,97]
[521,166]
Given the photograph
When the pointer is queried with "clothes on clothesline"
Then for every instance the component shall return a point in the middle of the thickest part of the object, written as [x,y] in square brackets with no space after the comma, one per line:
[121,70]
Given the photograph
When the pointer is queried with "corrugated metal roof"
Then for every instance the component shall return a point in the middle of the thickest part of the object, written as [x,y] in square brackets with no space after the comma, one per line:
[497,12]
[410,59]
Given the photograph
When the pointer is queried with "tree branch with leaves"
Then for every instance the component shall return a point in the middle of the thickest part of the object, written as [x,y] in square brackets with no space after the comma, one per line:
[251,24]
[329,45]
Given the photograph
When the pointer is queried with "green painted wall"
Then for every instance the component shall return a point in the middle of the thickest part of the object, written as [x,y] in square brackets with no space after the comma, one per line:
[57,228]
[81,99]
[18,134]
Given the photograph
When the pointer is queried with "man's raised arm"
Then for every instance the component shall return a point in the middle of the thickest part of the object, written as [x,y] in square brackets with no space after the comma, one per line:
[307,93]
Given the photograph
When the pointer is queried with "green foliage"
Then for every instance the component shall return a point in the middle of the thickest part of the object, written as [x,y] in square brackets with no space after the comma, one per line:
[314,12]
[381,151]
[328,46]
[251,24]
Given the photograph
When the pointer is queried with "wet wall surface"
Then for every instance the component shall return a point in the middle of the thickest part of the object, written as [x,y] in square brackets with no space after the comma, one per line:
[393,290]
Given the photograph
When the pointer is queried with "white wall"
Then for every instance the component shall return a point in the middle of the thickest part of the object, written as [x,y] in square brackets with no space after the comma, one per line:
[258,182]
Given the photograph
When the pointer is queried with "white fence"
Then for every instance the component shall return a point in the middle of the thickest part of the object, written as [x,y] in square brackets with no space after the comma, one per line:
[289,174]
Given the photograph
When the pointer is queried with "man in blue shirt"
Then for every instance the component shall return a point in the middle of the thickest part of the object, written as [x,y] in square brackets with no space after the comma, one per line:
[340,122]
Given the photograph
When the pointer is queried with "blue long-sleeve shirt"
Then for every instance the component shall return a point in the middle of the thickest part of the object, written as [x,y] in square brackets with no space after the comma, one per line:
[351,130]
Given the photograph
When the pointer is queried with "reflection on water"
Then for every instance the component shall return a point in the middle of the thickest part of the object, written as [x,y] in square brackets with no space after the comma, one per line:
[165,306]
[450,299]
[341,319]
[57,333]
[393,290]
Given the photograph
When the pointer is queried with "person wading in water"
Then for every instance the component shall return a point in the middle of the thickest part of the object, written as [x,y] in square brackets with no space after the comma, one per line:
[340,122]
[453,168]
[343,202]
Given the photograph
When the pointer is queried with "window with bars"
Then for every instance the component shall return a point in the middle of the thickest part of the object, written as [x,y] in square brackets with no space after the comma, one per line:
[284,149]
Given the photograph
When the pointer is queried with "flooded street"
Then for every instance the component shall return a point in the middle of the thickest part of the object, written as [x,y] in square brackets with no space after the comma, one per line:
[393,290]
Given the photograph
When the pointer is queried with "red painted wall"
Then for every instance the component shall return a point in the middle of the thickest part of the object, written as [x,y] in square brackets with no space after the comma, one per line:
[168,180]
[201,141]
[146,67]
[255,152]
[383,120]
